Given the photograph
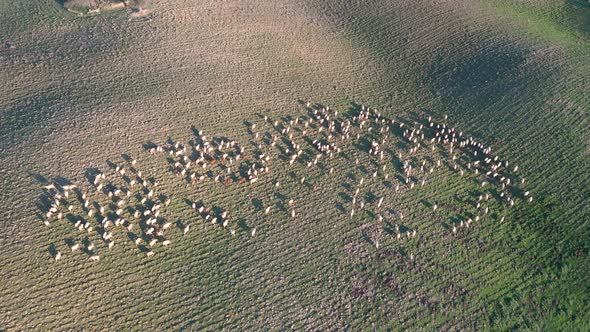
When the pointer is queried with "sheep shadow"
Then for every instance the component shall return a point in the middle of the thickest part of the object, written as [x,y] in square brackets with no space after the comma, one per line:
[52,250]
[242,224]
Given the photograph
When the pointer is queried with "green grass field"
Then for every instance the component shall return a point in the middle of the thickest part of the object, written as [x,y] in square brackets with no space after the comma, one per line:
[81,94]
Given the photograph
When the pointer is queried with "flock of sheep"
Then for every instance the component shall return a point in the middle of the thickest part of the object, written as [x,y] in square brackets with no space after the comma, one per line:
[135,201]
[313,142]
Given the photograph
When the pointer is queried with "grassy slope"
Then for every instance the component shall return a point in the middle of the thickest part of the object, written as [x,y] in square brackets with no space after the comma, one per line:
[564,285]
[492,77]
[502,84]
[508,75]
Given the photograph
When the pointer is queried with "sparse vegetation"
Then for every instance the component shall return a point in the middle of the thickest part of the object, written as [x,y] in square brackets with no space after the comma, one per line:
[84,96]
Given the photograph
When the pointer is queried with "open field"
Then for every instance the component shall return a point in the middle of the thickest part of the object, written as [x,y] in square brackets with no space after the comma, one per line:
[82,96]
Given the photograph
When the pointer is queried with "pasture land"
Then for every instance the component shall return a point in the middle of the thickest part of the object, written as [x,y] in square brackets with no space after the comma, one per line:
[82,92]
